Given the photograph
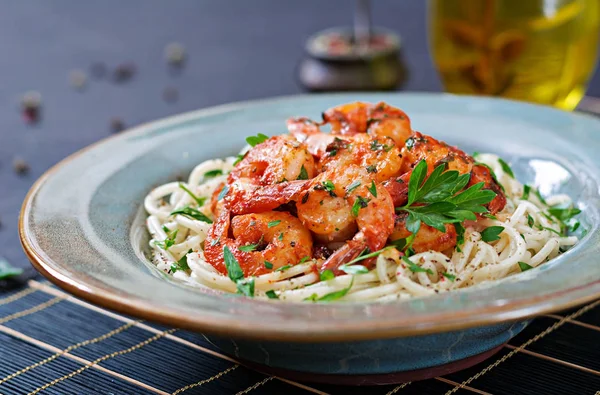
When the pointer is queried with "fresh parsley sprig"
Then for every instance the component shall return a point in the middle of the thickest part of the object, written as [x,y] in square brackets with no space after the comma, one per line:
[193,214]
[169,241]
[244,286]
[437,200]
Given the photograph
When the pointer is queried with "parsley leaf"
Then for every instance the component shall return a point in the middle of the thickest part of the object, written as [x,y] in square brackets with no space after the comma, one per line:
[564,214]
[506,168]
[280,237]
[371,169]
[491,233]
[398,244]
[413,267]
[354,269]
[367,256]
[540,197]
[530,221]
[254,140]
[213,173]
[271,294]
[373,189]
[326,275]
[268,265]
[336,295]
[238,158]
[540,227]
[524,266]
[192,213]
[234,271]
[449,276]
[303,174]
[169,241]
[273,223]
[329,187]
[251,247]
[460,233]
[246,287]
[359,203]
[182,263]
[282,268]
[526,191]
[199,200]
[7,270]
[306,258]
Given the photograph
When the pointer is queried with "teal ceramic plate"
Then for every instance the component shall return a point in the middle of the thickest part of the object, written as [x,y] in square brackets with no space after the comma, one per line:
[82,226]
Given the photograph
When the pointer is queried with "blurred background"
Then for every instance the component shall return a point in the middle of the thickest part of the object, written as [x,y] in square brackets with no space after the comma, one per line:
[75,72]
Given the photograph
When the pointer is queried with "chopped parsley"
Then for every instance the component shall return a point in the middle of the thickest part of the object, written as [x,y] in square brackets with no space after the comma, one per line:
[223,192]
[251,247]
[303,174]
[524,266]
[306,258]
[371,169]
[192,213]
[506,168]
[326,275]
[491,233]
[199,200]
[235,273]
[540,227]
[530,221]
[364,256]
[373,189]
[282,268]
[460,233]
[334,295]
[328,186]
[280,237]
[354,269]
[213,173]
[169,241]
[254,140]
[413,267]
[377,146]
[526,192]
[449,276]
[540,197]
[268,265]
[181,264]
[352,186]
[359,203]
[238,158]
[490,216]
[246,287]
[273,223]
[271,294]
[398,244]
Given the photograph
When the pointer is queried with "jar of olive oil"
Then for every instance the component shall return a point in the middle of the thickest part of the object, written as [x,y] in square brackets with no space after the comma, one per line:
[542,51]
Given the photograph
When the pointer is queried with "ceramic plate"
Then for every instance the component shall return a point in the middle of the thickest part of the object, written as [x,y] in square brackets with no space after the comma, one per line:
[82,223]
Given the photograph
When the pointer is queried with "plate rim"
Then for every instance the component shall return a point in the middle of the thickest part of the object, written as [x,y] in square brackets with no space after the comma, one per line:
[131,305]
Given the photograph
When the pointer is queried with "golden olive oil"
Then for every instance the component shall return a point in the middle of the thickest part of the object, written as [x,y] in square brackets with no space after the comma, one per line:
[541,51]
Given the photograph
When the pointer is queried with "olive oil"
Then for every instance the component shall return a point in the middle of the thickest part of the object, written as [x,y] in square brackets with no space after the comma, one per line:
[542,51]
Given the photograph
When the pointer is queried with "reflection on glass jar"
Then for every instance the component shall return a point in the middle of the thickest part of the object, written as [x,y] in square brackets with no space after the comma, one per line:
[542,51]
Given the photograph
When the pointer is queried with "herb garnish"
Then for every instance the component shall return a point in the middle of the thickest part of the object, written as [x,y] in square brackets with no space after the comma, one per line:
[437,200]
[199,200]
[268,265]
[490,216]
[367,256]
[526,191]
[530,220]
[460,233]
[326,275]
[540,197]
[359,203]
[235,273]
[354,269]
[540,227]
[306,258]
[282,268]
[303,174]
[337,294]
[181,264]
[491,233]
[565,217]
[449,276]
[352,186]
[238,158]
[213,173]
[280,237]
[271,294]
[376,146]
[190,212]
[328,186]
[246,287]
[273,223]
[8,271]
[373,189]
[254,140]
[251,247]
[413,267]
[223,192]
[506,168]
[371,169]
[169,241]
[524,266]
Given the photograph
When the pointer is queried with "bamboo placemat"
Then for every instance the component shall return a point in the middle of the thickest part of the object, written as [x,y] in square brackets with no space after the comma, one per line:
[53,343]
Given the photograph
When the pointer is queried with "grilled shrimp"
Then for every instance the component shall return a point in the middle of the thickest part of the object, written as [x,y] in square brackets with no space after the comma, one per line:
[377,120]
[280,239]
[278,159]
[340,201]
[427,238]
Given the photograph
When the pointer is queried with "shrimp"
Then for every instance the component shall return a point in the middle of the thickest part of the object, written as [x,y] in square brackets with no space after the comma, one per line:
[341,201]
[308,132]
[278,159]
[381,158]
[377,120]
[279,238]
[427,238]
[242,196]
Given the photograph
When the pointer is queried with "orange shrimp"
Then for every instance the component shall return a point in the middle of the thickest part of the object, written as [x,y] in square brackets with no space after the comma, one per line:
[279,237]
[242,197]
[427,238]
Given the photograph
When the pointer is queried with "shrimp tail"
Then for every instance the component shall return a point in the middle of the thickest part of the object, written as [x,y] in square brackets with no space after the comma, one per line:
[342,255]
[244,199]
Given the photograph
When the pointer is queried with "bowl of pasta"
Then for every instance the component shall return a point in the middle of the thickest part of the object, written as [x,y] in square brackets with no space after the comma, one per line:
[349,238]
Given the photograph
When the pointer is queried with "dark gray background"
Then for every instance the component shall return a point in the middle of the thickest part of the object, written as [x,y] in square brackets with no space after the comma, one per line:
[238,50]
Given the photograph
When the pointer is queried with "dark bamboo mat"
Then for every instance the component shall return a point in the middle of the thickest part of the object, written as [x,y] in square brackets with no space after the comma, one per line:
[53,343]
